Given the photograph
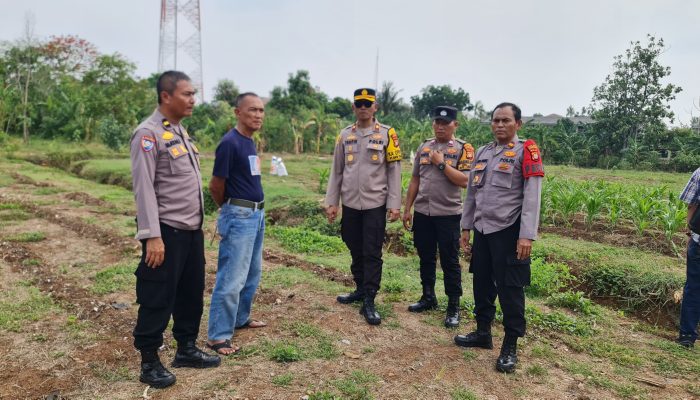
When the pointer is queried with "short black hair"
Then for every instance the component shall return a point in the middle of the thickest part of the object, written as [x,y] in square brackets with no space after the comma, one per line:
[516,110]
[167,82]
[242,96]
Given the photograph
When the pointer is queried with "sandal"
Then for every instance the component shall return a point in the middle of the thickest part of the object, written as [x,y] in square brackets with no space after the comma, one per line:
[252,323]
[226,344]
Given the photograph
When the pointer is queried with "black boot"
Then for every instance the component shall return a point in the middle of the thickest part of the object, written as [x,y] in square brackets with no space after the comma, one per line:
[153,373]
[357,295]
[509,355]
[686,341]
[368,311]
[189,356]
[427,302]
[479,338]
[452,315]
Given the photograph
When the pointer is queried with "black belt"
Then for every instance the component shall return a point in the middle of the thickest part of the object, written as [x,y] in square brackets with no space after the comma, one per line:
[246,203]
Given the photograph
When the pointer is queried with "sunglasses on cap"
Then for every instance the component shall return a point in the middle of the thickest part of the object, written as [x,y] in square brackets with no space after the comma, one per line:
[363,103]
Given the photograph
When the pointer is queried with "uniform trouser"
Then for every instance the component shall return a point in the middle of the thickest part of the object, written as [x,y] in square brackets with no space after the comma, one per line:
[174,288]
[690,307]
[433,233]
[363,233]
[497,272]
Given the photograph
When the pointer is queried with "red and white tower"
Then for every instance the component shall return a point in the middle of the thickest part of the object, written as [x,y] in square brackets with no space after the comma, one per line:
[181,19]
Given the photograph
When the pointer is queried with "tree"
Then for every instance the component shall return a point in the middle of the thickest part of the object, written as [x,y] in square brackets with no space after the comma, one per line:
[433,96]
[570,111]
[298,95]
[227,91]
[389,100]
[340,107]
[632,101]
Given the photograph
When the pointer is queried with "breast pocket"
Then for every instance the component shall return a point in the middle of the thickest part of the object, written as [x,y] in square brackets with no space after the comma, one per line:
[503,177]
[179,160]
[478,174]
[376,153]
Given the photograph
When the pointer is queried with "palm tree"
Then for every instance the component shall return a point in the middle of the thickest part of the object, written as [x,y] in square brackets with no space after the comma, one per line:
[388,98]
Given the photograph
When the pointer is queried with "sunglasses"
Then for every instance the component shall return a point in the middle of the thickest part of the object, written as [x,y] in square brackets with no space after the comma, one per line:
[363,103]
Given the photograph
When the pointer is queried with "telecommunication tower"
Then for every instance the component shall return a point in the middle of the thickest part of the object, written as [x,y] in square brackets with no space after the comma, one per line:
[172,15]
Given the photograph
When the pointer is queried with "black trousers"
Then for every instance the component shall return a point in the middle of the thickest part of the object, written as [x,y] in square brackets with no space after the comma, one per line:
[363,233]
[174,288]
[497,272]
[433,233]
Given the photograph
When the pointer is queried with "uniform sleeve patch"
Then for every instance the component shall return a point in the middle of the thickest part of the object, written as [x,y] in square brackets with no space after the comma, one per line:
[465,161]
[147,143]
[393,150]
[532,160]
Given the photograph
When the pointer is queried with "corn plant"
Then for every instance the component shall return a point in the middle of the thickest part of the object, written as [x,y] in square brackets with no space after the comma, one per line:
[614,207]
[594,204]
[567,200]
[642,210]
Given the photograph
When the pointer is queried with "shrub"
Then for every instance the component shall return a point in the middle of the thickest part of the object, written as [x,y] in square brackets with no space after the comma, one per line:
[548,278]
[300,240]
[113,134]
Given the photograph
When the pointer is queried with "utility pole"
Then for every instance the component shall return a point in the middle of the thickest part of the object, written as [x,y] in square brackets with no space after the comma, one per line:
[169,46]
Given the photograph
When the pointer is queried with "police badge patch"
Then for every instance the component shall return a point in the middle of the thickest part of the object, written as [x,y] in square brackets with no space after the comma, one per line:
[147,143]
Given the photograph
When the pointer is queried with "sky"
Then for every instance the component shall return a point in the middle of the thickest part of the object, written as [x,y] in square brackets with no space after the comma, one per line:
[544,55]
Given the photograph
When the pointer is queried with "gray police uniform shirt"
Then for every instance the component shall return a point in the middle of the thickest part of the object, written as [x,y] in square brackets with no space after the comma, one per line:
[497,193]
[437,196]
[362,175]
[166,178]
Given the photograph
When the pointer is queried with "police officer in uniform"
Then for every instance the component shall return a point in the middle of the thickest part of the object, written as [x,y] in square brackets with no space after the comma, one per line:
[502,207]
[439,174]
[366,176]
[168,190]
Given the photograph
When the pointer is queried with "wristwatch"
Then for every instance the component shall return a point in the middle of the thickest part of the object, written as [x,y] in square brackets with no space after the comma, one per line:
[441,166]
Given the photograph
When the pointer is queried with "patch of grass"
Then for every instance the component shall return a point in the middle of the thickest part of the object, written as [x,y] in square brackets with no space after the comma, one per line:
[692,389]
[300,240]
[385,310]
[542,350]
[216,384]
[112,374]
[31,262]
[575,301]
[288,277]
[558,321]
[10,206]
[43,191]
[17,308]
[78,329]
[285,351]
[356,386]
[536,371]
[323,395]
[462,393]
[393,287]
[26,237]
[114,279]
[469,355]
[315,343]
[368,350]
[283,380]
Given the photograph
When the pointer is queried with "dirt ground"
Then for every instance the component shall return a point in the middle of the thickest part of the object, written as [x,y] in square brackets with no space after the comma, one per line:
[82,349]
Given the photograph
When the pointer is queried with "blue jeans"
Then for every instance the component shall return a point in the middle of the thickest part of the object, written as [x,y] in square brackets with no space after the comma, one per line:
[239,269]
[690,308]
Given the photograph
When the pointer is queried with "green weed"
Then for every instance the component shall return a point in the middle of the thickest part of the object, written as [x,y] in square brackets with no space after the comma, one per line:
[548,278]
[462,393]
[299,240]
[537,371]
[283,380]
[26,237]
[575,301]
[356,386]
[558,321]
[285,352]
[469,355]
[16,308]
[114,279]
